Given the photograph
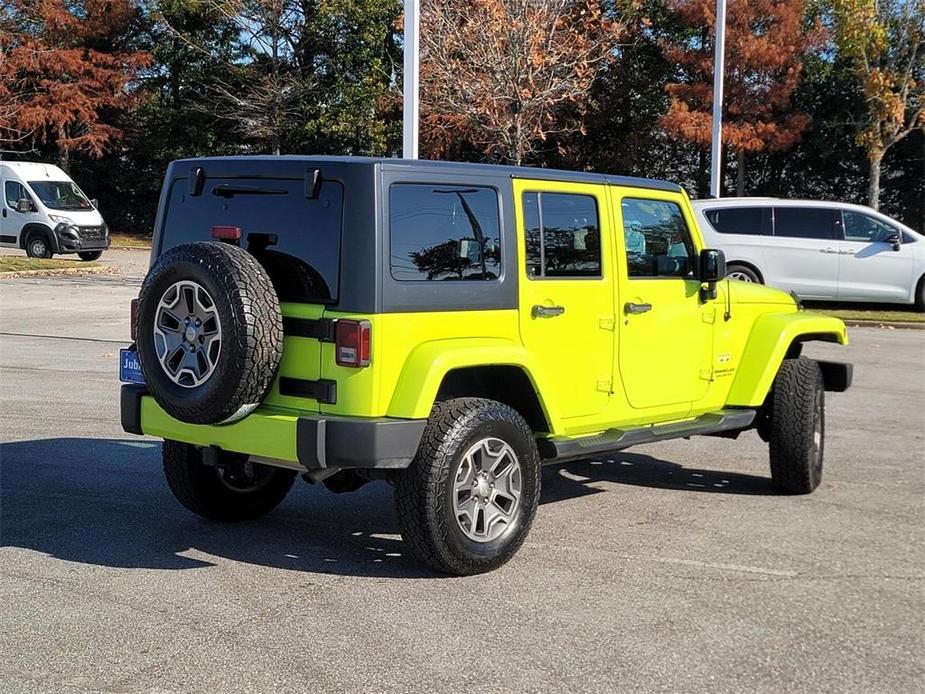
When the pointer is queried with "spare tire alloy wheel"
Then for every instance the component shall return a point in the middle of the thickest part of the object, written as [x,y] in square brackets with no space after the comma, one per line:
[187,334]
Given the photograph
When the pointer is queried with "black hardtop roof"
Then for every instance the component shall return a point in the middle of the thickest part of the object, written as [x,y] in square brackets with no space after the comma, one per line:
[444,167]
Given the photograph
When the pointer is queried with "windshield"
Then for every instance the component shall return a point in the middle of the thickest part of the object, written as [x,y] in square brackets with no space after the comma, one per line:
[61,195]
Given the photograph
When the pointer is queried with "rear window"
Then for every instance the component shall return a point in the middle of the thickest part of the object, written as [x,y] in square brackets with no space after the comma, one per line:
[295,238]
[751,221]
[805,222]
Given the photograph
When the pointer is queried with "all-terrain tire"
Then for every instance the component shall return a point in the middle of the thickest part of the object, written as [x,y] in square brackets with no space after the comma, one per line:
[424,491]
[89,255]
[796,426]
[251,325]
[223,493]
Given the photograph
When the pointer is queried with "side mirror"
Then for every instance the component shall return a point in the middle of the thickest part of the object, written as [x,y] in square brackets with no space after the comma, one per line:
[712,268]
[24,205]
[95,203]
[895,240]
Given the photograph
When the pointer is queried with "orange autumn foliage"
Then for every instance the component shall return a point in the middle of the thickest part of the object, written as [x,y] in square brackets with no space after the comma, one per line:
[765,42]
[60,67]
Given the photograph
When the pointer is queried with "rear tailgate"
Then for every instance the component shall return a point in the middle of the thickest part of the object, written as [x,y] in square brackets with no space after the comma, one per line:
[294,229]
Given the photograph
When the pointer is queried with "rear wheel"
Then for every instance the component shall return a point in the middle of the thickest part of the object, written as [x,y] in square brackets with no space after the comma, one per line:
[796,426]
[234,490]
[743,273]
[38,246]
[466,503]
[89,255]
[920,295]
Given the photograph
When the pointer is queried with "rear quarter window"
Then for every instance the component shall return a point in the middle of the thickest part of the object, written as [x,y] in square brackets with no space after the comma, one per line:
[296,239]
[749,221]
[444,232]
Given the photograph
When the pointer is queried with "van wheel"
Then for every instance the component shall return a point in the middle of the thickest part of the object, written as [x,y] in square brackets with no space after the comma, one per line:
[38,247]
[796,426]
[89,255]
[743,273]
[466,503]
[236,490]
[920,295]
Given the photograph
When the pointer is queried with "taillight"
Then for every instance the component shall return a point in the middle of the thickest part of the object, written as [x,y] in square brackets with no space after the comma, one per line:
[351,342]
[226,233]
[133,319]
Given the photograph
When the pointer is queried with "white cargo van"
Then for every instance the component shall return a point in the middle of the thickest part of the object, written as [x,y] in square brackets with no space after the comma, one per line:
[44,212]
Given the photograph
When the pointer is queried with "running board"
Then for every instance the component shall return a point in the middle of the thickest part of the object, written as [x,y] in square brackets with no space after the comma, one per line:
[554,450]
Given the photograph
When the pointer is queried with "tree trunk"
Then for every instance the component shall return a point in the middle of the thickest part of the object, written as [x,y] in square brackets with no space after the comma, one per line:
[703,180]
[740,173]
[64,154]
[875,158]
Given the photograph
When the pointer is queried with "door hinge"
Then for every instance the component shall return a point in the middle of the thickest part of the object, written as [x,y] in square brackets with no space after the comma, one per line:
[709,316]
[706,374]
[607,323]
[604,385]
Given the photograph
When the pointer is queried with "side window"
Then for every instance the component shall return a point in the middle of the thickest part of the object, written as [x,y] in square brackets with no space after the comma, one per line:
[658,242]
[862,227]
[752,221]
[805,222]
[14,192]
[442,232]
[563,235]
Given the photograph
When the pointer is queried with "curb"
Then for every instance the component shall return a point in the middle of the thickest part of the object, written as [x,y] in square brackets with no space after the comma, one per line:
[65,271]
[884,324]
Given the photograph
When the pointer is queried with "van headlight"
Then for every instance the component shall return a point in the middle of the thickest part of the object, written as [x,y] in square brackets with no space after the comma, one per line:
[61,219]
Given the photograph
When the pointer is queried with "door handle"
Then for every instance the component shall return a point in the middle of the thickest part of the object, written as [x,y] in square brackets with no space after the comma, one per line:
[630,307]
[827,250]
[547,311]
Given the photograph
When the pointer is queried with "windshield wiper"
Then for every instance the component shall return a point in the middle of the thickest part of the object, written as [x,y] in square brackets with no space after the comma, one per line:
[225,191]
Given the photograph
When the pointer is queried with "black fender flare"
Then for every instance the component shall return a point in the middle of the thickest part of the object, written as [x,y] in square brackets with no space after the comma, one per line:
[33,227]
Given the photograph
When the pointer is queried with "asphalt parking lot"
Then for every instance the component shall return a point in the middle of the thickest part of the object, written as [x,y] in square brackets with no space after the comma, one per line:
[671,567]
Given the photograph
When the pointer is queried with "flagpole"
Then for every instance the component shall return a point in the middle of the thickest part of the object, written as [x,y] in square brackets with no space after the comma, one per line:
[719,62]
[411,90]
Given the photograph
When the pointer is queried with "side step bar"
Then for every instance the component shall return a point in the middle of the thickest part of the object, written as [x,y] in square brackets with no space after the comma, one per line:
[555,450]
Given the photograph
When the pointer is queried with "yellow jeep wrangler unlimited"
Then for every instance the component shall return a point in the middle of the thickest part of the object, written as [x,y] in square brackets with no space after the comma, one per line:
[449,328]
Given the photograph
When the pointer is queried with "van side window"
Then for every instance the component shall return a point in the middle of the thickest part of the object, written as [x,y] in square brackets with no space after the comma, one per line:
[14,192]
[751,221]
[658,242]
[862,227]
[805,222]
[444,232]
[563,235]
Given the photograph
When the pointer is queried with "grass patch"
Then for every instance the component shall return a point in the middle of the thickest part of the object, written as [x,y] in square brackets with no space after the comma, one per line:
[15,263]
[890,316]
[122,240]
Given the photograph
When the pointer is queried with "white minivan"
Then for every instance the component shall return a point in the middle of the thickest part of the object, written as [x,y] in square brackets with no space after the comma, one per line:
[821,251]
[44,212]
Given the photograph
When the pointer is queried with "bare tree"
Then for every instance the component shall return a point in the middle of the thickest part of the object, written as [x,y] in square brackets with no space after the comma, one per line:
[508,75]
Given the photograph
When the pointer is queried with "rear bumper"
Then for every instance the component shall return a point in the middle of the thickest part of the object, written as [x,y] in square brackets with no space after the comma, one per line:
[315,442]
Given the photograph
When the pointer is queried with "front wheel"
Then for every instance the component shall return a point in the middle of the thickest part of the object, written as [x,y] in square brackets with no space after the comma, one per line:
[234,490]
[89,255]
[38,247]
[796,428]
[466,503]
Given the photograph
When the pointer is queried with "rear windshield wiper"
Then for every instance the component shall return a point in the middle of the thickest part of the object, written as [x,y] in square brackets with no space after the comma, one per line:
[225,191]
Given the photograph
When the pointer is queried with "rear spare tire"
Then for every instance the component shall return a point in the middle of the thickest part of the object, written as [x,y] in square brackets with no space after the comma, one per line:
[209,332]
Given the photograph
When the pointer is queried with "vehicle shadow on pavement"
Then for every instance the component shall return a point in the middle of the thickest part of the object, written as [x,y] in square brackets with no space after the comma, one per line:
[570,480]
[105,502]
